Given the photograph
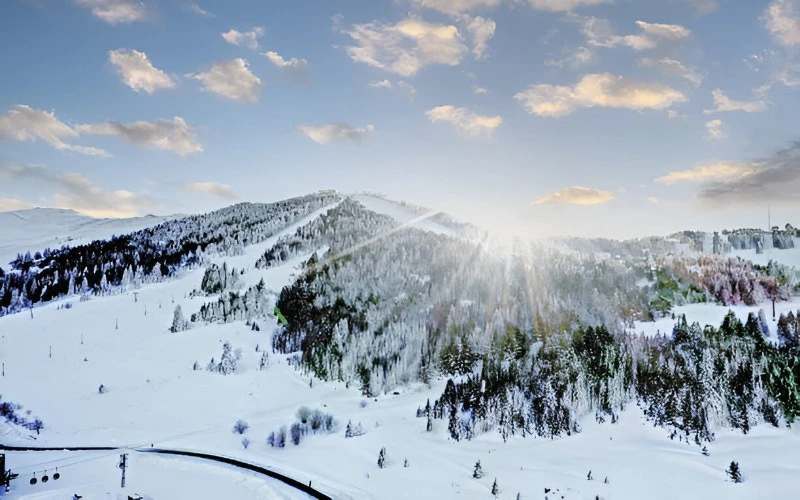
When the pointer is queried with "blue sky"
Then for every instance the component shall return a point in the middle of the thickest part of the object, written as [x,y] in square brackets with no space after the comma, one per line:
[533,117]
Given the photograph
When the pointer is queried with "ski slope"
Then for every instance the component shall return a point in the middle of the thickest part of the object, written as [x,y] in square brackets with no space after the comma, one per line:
[403,214]
[38,228]
[56,360]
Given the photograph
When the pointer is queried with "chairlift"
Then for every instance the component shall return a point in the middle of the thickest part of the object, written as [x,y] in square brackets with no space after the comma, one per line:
[45,478]
[56,475]
[33,479]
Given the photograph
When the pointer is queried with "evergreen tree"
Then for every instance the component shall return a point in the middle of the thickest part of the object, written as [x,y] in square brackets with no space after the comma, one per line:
[382,458]
[495,488]
[429,425]
[478,472]
[589,476]
[705,451]
[734,473]
[179,323]
[348,433]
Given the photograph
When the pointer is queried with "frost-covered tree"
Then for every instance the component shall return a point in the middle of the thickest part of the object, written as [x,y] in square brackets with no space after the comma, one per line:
[382,458]
[240,427]
[734,473]
[179,323]
[477,472]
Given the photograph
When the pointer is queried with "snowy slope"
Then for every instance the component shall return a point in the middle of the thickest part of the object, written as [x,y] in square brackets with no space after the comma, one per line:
[95,475]
[403,214]
[154,397]
[39,228]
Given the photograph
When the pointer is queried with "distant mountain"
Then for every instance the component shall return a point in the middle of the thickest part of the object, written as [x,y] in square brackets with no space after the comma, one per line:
[40,228]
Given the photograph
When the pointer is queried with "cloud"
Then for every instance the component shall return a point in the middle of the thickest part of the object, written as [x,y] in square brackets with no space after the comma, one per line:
[724,103]
[715,130]
[12,204]
[200,11]
[481,30]
[247,39]
[575,195]
[703,7]
[774,179]
[137,72]
[215,188]
[295,69]
[573,58]
[25,124]
[173,135]
[600,89]
[409,90]
[565,5]
[455,7]
[782,20]
[465,121]
[406,47]
[116,11]
[79,193]
[708,172]
[673,67]
[230,79]
[477,90]
[325,134]
[599,33]
[653,200]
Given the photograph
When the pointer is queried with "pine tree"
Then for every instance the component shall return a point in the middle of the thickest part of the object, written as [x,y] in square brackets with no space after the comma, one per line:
[429,426]
[734,473]
[478,472]
[382,458]
[179,324]
[348,433]
[405,463]
[705,451]
[589,476]
[495,488]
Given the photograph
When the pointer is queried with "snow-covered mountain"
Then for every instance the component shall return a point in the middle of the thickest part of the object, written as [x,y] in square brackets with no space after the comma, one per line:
[335,326]
[39,228]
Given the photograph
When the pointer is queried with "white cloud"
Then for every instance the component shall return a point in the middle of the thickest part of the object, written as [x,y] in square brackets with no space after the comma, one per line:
[718,171]
[481,30]
[200,11]
[599,33]
[573,58]
[724,103]
[221,190]
[12,204]
[325,134]
[455,7]
[575,195]
[668,31]
[406,47]
[381,84]
[137,72]
[477,90]
[464,120]
[715,130]
[782,19]
[409,90]
[168,135]
[116,11]
[247,39]
[231,79]
[565,5]
[653,200]
[673,67]
[599,89]
[295,69]
[25,124]
[702,7]
[79,193]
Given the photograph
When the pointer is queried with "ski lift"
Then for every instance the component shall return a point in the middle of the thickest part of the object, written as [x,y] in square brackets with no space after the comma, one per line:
[45,478]
[56,475]
[33,479]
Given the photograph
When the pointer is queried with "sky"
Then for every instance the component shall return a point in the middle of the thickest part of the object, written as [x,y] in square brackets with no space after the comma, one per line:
[610,118]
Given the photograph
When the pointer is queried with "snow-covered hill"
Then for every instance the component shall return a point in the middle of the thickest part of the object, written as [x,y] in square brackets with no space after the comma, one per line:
[389,316]
[39,228]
